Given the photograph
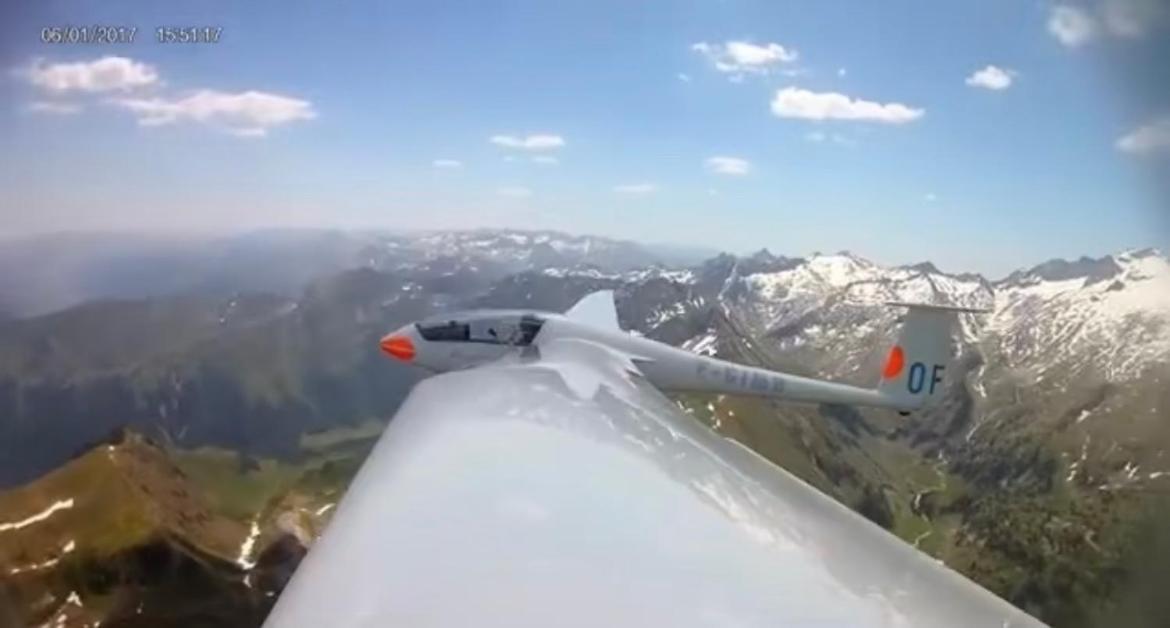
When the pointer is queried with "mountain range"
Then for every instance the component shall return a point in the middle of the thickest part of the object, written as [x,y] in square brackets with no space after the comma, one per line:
[237,357]
[51,272]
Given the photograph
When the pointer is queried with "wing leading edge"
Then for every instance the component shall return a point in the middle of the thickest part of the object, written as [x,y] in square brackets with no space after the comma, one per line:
[513,495]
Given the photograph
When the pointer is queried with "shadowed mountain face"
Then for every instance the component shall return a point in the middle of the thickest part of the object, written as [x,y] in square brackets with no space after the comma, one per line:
[1033,477]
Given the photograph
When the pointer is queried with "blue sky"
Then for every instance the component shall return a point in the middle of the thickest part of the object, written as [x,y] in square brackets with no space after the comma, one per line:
[799,126]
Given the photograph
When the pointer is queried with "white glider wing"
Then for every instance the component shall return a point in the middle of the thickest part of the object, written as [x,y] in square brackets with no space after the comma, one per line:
[564,490]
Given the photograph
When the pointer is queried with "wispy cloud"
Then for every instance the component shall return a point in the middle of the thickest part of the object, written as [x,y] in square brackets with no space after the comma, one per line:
[992,77]
[821,137]
[514,191]
[1076,26]
[733,166]
[1071,26]
[447,163]
[107,74]
[636,189]
[245,114]
[1132,18]
[740,58]
[793,102]
[529,142]
[134,86]
[930,197]
[1148,138]
[54,108]
[686,78]
[545,160]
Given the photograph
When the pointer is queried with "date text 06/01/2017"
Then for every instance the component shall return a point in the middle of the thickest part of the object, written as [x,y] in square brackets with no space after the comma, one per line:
[89,34]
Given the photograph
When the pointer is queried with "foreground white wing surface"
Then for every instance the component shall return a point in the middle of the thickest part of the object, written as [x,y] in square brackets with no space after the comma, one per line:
[515,494]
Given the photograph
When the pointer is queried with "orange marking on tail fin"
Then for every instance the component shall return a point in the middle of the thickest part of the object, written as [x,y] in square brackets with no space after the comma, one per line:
[894,363]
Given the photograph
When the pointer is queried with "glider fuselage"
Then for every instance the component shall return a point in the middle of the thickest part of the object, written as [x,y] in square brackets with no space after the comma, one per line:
[465,340]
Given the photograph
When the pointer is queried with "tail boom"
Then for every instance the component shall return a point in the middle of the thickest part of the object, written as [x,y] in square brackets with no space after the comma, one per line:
[913,376]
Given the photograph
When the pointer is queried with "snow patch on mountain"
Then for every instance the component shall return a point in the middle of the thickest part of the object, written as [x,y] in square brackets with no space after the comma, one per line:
[703,344]
[1114,325]
[515,250]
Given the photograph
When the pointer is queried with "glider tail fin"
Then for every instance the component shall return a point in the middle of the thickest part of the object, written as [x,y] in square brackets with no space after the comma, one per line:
[917,364]
[596,309]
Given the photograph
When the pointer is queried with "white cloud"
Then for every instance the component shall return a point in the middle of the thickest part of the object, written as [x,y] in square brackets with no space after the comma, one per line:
[55,108]
[1148,138]
[530,142]
[447,163]
[636,189]
[1071,26]
[739,58]
[841,72]
[733,166]
[514,191]
[686,78]
[246,114]
[545,160]
[793,102]
[107,74]
[748,54]
[991,77]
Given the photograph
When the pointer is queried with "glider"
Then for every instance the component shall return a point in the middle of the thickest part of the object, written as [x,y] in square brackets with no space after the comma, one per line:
[544,480]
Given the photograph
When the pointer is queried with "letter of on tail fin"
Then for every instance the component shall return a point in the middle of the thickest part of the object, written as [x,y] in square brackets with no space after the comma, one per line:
[918,363]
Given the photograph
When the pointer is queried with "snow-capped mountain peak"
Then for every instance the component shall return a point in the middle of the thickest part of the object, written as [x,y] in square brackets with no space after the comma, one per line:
[1111,315]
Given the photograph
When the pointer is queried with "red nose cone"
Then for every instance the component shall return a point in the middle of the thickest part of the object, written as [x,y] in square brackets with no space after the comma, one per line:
[399,347]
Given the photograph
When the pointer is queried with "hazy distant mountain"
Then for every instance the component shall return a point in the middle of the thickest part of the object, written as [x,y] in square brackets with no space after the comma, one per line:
[680,254]
[52,272]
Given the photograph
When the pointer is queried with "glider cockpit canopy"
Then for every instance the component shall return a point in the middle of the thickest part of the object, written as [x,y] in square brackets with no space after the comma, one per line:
[516,329]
